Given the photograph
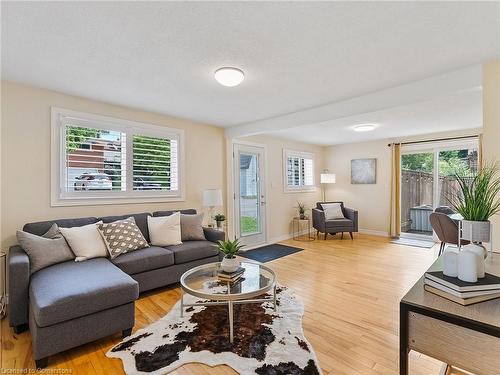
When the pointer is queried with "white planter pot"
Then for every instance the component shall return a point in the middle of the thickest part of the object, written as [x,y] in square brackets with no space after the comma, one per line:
[229,264]
[476,231]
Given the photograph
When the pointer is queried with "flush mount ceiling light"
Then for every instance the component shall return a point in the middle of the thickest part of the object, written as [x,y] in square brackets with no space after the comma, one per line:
[229,77]
[364,127]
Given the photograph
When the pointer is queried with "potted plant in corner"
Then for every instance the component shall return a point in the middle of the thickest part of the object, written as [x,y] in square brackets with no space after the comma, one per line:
[478,199]
[302,210]
[219,219]
[230,248]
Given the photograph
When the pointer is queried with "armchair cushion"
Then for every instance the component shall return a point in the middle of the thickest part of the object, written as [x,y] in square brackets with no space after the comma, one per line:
[333,211]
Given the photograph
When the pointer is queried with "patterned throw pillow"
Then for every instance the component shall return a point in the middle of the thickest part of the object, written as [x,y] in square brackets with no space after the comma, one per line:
[122,236]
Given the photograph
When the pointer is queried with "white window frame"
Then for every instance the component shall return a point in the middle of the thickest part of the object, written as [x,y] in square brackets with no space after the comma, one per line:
[303,155]
[60,197]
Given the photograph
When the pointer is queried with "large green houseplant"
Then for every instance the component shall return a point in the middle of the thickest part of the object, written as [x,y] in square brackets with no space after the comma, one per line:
[477,200]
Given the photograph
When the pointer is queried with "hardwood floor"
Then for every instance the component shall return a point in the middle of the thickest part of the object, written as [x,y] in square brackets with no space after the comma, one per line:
[351,290]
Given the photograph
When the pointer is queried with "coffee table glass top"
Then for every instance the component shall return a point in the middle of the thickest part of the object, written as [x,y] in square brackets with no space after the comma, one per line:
[202,282]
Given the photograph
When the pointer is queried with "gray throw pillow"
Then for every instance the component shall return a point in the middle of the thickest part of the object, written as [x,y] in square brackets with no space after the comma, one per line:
[192,227]
[122,236]
[46,250]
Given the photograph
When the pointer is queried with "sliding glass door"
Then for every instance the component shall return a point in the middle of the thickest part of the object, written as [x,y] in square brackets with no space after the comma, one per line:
[428,180]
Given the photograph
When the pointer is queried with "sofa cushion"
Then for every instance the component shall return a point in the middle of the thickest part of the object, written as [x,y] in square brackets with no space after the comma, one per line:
[187,211]
[141,220]
[72,289]
[193,250]
[337,223]
[147,259]
[122,236]
[41,227]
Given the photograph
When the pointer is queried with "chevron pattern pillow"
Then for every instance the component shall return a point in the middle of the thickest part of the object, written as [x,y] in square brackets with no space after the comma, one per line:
[122,236]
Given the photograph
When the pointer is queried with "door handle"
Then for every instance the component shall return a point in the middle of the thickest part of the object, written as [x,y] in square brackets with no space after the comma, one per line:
[262,202]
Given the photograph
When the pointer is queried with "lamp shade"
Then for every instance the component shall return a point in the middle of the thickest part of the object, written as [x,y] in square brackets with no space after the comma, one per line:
[327,178]
[212,197]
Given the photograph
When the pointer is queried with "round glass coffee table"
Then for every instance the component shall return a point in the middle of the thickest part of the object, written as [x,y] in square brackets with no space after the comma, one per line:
[202,282]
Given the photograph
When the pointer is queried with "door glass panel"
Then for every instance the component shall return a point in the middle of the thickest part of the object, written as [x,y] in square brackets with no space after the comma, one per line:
[249,194]
[417,180]
[463,162]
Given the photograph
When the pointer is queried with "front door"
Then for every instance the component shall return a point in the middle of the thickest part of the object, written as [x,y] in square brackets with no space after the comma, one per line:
[249,197]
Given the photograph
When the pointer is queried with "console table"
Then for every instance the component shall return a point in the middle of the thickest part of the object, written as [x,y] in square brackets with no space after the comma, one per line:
[467,337]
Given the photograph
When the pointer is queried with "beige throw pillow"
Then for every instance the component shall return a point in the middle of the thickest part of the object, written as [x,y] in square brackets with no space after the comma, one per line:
[85,241]
[192,227]
[333,211]
[165,230]
[122,236]
[46,250]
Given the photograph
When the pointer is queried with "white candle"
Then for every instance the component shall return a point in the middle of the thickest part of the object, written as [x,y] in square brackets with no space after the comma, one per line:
[450,263]
[467,266]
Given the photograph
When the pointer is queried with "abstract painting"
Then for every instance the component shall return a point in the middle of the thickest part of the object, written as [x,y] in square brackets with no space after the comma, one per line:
[363,171]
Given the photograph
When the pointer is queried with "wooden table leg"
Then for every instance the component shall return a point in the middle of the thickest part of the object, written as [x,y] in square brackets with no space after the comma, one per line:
[403,339]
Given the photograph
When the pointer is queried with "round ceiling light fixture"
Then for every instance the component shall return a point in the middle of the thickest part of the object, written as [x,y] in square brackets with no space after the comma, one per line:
[364,127]
[229,77]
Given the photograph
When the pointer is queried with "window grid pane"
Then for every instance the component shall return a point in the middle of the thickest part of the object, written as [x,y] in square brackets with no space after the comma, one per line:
[94,159]
[153,164]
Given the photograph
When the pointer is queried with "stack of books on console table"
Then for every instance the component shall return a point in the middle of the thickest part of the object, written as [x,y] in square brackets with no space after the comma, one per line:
[230,276]
[462,292]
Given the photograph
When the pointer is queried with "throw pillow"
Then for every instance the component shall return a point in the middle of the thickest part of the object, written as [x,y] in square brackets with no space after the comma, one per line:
[85,241]
[165,230]
[46,250]
[192,227]
[122,236]
[333,211]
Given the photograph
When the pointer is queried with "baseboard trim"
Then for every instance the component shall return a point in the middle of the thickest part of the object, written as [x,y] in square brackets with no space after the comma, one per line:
[371,232]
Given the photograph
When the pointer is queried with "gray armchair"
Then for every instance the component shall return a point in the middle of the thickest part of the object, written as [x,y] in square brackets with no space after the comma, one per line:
[348,224]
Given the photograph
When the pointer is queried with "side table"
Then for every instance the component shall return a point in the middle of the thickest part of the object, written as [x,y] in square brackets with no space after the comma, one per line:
[297,229]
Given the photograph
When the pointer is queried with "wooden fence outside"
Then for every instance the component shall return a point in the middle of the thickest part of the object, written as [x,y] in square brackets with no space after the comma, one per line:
[417,190]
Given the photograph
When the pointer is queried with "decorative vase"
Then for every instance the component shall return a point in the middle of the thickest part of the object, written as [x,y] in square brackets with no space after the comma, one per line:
[476,231]
[229,264]
[450,263]
[302,216]
[467,266]
[219,224]
[481,254]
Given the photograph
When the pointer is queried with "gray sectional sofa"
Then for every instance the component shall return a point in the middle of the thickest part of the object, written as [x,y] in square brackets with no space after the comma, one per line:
[72,303]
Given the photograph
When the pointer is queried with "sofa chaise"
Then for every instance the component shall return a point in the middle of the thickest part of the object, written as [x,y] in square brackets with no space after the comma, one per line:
[72,303]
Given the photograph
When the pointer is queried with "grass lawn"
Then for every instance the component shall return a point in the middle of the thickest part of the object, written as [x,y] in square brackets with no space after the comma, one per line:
[248,224]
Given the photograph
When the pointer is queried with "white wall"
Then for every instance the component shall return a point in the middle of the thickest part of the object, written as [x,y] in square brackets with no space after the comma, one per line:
[25,175]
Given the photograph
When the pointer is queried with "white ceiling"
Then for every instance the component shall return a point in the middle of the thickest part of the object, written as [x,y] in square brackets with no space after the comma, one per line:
[458,112]
[160,56]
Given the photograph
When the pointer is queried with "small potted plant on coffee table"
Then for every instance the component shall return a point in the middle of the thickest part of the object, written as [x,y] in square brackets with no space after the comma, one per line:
[219,219]
[230,248]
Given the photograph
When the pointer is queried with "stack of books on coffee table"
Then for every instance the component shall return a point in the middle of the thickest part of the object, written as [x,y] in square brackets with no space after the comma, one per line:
[230,276]
[462,292]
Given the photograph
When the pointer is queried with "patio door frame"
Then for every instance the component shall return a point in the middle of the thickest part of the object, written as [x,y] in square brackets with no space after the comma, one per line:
[252,240]
[435,147]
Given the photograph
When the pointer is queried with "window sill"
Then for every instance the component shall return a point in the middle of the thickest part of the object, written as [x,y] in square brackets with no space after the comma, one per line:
[64,202]
[301,190]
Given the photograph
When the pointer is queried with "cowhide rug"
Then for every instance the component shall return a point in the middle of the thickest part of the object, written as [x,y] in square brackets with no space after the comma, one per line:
[265,341]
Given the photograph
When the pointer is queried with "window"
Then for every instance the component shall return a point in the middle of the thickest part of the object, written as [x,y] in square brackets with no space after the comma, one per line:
[97,159]
[298,171]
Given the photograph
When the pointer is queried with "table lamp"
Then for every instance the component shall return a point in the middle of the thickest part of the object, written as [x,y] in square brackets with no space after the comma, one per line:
[211,199]
[326,178]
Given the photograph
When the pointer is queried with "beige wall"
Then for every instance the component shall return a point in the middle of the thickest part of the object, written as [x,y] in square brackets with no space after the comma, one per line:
[281,206]
[373,201]
[491,124]
[25,148]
